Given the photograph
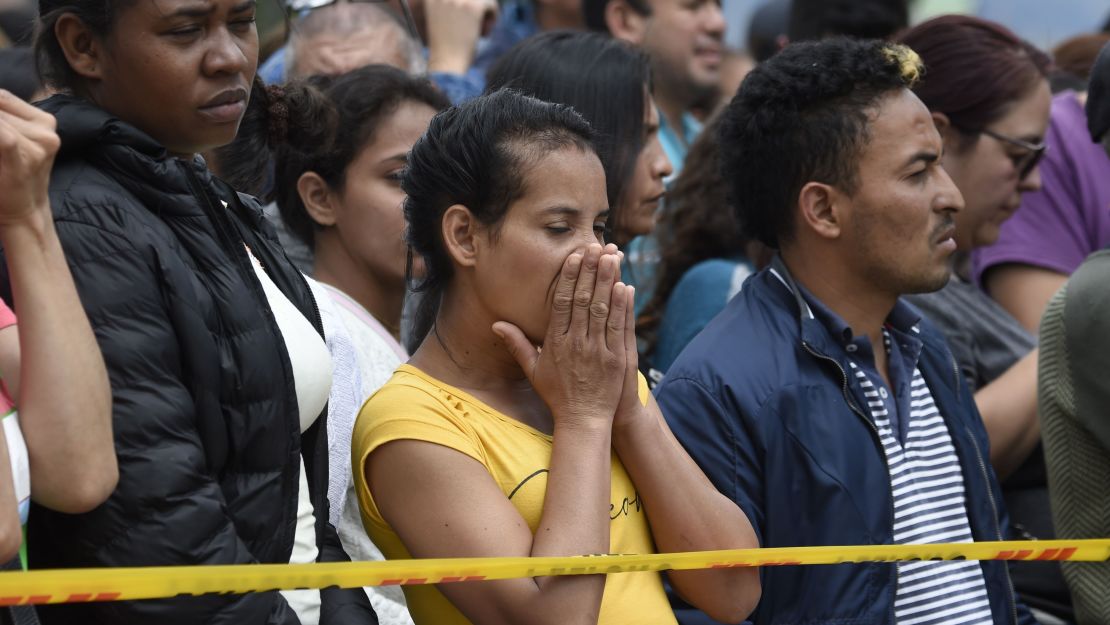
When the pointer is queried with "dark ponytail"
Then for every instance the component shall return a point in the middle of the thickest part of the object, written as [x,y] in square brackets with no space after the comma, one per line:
[278,119]
[477,154]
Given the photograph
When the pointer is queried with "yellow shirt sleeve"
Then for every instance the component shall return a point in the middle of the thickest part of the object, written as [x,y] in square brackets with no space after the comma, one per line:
[408,412]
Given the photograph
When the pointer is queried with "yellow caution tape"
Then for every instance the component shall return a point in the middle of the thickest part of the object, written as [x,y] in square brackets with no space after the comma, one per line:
[120,584]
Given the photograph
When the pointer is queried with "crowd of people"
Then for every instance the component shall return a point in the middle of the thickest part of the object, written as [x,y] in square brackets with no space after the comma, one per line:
[448,278]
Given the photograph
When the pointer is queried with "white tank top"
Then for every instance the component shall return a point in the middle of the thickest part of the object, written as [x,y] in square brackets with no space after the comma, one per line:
[312,371]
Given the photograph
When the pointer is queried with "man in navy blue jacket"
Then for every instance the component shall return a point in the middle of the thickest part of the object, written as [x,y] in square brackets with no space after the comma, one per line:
[818,400]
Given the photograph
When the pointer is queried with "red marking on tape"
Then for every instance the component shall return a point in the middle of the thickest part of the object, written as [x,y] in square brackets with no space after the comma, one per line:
[1049,554]
[448,580]
[1066,553]
[1015,555]
[474,578]
[415,580]
[106,596]
[780,563]
[37,599]
[392,582]
[7,601]
[79,597]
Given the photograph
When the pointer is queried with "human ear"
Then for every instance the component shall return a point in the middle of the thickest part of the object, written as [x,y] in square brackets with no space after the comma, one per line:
[625,22]
[460,235]
[82,49]
[317,198]
[820,207]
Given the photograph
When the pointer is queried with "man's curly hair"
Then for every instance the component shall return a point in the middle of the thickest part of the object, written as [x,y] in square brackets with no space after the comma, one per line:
[802,117]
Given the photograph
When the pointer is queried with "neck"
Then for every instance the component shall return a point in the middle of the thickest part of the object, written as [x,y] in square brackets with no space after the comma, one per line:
[463,351]
[847,293]
[381,298]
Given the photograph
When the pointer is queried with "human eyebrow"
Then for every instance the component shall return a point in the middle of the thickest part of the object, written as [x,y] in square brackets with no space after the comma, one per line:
[570,211]
[197,10]
[927,158]
[244,6]
[204,9]
[402,158]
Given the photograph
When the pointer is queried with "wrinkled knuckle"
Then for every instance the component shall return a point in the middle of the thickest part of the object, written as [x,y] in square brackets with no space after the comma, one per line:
[599,310]
[582,299]
[562,302]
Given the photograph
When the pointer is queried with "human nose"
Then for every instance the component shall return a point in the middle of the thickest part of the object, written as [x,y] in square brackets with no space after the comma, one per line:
[715,19]
[1031,182]
[661,165]
[948,198]
[225,55]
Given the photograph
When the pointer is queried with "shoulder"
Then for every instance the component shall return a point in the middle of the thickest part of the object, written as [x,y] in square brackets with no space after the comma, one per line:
[411,402]
[1086,301]
[749,351]
[92,208]
[711,277]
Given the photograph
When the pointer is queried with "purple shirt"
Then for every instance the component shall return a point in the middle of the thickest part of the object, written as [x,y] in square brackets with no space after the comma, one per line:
[1057,227]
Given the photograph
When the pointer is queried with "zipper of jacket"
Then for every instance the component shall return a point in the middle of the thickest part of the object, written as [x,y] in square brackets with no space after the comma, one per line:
[997,527]
[241,261]
[878,438]
[990,493]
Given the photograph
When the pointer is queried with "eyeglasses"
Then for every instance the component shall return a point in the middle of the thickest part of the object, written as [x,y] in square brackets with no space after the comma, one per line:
[1027,161]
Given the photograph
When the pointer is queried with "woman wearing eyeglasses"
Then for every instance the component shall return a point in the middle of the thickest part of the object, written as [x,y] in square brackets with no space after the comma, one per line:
[989,95]
[212,340]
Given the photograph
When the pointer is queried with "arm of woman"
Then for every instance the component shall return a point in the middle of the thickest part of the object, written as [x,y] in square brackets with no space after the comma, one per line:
[445,504]
[685,511]
[1008,406]
[62,389]
[1023,290]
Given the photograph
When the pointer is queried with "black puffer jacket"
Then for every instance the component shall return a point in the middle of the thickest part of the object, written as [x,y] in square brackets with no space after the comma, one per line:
[205,411]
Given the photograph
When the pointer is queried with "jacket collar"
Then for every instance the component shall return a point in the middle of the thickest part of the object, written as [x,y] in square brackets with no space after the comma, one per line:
[165,185]
[819,333]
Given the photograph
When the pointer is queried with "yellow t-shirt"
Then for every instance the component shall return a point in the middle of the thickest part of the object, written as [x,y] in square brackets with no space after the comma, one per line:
[413,405]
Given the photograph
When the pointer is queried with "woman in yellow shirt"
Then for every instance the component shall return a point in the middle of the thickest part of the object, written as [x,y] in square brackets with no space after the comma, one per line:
[487,445]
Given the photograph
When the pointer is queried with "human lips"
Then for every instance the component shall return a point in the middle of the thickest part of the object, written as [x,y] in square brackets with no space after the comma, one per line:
[709,53]
[226,106]
[946,239]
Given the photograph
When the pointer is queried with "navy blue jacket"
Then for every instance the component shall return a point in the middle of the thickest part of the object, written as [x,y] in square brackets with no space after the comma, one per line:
[762,402]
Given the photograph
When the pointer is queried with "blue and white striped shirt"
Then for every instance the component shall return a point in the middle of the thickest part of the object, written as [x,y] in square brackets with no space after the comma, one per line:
[927,485]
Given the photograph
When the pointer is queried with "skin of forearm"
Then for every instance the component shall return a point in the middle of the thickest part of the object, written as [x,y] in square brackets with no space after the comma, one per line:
[687,513]
[64,395]
[1008,406]
[575,519]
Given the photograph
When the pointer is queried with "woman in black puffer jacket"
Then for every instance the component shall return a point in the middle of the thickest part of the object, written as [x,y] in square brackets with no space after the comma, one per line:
[211,338]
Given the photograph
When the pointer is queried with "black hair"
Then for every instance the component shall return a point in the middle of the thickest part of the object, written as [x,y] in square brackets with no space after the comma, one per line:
[277,116]
[865,19]
[699,224]
[593,12]
[17,72]
[604,79]
[802,116]
[361,99]
[477,155]
[98,15]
